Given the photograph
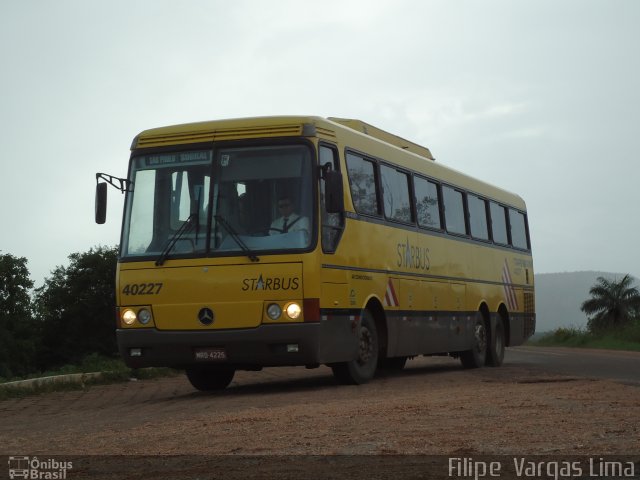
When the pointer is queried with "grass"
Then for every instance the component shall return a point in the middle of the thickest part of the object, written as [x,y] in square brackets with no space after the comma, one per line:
[112,371]
[627,338]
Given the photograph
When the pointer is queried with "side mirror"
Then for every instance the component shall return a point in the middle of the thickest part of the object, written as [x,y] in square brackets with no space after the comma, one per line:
[333,192]
[101,203]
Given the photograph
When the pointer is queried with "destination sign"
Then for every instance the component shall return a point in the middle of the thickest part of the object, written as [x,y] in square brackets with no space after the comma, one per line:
[181,158]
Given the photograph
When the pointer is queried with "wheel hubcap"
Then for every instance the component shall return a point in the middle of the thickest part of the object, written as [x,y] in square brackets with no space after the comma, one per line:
[481,338]
[365,346]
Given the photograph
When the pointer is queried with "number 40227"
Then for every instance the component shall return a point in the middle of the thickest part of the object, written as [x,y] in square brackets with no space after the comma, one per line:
[142,289]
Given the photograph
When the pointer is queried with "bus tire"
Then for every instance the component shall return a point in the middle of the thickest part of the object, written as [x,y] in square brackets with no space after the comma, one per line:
[477,355]
[210,379]
[495,353]
[363,368]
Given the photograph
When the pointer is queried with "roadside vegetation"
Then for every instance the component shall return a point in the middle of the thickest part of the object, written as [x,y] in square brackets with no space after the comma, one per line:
[95,369]
[68,318]
[613,311]
[64,327]
[625,339]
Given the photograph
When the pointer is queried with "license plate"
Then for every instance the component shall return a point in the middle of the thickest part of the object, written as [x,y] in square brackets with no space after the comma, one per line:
[210,354]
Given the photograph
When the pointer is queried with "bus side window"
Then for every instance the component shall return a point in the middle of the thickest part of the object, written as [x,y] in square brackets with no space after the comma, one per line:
[478,217]
[454,210]
[332,223]
[395,194]
[363,185]
[498,223]
[427,205]
[518,229]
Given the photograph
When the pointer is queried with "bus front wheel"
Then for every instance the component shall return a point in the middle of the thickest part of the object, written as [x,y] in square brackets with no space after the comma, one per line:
[363,367]
[209,379]
[477,355]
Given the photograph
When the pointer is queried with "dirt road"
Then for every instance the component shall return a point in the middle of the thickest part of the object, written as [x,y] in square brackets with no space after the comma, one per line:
[432,407]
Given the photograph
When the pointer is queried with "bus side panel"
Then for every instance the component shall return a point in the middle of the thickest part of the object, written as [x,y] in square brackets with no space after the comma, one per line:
[337,340]
[410,327]
[425,329]
[460,329]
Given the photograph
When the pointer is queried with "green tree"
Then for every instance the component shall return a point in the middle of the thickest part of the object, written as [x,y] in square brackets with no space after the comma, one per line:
[18,332]
[76,307]
[613,304]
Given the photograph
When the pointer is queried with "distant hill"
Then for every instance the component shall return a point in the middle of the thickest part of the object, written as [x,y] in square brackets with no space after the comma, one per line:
[559,296]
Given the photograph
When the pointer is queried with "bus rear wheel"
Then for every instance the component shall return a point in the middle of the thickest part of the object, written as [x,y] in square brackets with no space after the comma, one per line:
[477,355]
[495,354]
[363,367]
[210,379]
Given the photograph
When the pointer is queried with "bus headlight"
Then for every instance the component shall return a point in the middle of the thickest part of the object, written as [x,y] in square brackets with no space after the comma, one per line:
[129,316]
[274,311]
[144,316]
[293,310]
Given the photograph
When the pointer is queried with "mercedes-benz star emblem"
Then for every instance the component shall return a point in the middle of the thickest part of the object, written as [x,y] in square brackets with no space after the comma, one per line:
[205,315]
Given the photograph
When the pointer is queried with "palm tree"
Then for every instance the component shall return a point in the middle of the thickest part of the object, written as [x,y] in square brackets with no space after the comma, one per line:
[613,303]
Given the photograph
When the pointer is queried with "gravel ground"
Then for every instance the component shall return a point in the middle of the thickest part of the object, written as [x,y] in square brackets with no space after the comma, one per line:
[433,407]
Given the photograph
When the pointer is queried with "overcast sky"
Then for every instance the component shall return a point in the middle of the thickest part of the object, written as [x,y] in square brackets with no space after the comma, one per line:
[539,97]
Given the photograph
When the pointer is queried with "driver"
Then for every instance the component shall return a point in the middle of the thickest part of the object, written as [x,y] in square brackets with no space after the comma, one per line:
[288,221]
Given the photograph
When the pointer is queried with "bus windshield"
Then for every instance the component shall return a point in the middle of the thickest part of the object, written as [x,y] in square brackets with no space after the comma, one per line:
[236,201]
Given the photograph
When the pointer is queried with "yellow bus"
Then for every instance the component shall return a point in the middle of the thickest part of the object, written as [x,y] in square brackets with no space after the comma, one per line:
[301,240]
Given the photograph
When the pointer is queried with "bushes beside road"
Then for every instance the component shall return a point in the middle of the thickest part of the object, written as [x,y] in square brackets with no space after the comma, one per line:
[626,338]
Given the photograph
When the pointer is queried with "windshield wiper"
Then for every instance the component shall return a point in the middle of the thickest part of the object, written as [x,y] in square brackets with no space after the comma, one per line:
[186,227]
[252,256]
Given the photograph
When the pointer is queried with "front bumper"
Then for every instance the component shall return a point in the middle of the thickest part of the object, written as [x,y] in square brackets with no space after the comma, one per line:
[263,346]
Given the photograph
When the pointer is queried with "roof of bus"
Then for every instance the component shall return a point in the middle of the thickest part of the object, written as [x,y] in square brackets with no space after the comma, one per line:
[228,129]
[354,134]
